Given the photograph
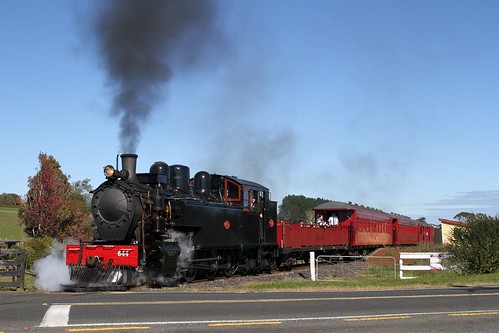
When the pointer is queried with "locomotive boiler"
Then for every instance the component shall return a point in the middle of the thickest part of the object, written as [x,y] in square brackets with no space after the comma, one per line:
[163,226]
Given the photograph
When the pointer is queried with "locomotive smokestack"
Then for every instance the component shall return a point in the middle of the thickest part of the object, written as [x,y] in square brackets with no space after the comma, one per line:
[129,163]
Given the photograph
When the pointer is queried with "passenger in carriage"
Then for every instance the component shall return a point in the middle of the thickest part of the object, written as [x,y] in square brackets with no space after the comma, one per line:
[320,220]
[333,220]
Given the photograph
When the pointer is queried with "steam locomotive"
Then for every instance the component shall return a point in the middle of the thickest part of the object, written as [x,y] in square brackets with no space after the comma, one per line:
[162,227]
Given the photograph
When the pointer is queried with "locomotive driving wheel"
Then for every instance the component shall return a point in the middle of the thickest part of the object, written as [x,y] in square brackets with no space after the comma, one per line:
[244,267]
[211,273]
[211,256]
[190,275]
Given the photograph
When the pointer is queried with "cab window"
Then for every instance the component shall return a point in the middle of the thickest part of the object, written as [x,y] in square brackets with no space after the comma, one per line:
[232,191]
[253,200]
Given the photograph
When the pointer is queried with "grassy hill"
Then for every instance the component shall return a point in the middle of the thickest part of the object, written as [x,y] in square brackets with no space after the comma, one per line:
[9,225]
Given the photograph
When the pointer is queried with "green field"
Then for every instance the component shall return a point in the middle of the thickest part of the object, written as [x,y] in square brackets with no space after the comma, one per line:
[9,225]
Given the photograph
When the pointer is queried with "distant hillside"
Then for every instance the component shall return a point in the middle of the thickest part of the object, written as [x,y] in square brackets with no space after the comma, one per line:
[9,224]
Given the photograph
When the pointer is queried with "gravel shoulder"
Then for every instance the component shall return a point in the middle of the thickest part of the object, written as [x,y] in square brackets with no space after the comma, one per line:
[301,273]
[238,281]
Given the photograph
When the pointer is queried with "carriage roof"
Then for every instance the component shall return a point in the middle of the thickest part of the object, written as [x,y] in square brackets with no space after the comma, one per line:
[338,205]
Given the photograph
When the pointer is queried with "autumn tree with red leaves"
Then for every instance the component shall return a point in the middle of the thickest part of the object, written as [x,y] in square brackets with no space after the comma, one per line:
[53,207]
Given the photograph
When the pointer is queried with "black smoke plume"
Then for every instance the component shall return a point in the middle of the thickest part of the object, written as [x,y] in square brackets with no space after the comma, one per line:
[140,45]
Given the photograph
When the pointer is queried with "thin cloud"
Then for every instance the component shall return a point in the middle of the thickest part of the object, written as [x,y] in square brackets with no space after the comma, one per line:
[473,199]
[486,202]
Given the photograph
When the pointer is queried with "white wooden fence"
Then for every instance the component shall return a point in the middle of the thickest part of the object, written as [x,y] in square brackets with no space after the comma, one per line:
[434,260]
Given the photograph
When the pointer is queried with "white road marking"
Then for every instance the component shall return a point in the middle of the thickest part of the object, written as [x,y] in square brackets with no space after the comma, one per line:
[283,320]
[56,316]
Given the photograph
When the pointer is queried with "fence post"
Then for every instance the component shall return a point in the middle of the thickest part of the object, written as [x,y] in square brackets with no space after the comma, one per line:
[401,265]
[312,265]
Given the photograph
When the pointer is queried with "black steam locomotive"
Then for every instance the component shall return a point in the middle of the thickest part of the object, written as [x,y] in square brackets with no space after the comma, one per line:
[164,226]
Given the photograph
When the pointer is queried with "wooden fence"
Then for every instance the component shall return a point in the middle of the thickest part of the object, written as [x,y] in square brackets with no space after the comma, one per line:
[433,262]
[12,268]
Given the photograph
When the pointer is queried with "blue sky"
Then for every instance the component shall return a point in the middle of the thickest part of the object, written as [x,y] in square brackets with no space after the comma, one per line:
[391,104]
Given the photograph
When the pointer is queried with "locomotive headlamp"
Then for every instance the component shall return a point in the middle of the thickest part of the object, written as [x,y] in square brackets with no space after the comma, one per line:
[109,171]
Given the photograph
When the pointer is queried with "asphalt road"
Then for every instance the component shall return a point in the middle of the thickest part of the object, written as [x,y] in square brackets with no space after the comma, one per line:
[429,310]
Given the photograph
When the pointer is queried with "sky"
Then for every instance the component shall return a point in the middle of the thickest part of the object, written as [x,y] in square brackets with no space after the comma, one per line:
[389,104]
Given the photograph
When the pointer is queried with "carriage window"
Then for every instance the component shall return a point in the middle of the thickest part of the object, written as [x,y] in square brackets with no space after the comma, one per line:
[232,191]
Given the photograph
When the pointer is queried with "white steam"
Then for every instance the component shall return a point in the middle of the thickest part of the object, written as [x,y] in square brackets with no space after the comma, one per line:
[186,247]
[51,271]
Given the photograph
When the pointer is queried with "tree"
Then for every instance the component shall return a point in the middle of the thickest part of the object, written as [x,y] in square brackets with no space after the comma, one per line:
[10,199]
[74,215]
[295,208]
[84,188]
[53,207]
[475,244]
[464,216]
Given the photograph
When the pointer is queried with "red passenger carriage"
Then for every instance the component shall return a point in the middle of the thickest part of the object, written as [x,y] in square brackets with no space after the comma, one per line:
[369,227]
[405,231]
[355,228]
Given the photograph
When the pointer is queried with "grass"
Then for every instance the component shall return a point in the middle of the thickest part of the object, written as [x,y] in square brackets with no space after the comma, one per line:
[9,224]
[432,279]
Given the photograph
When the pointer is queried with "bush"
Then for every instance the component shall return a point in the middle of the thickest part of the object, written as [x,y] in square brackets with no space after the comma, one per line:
[475,245]
[36,248]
